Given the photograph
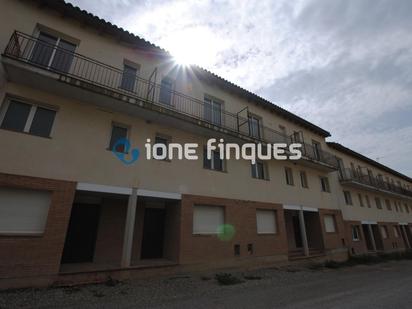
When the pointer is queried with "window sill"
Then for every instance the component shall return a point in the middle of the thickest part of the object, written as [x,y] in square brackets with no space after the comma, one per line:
[24,234]
[26,133]
[265,179]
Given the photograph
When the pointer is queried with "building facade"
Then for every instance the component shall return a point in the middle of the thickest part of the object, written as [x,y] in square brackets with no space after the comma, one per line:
[72,85]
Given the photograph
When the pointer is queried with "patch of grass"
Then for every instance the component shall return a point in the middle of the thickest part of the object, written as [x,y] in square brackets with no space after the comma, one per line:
[111,282]
[227,279]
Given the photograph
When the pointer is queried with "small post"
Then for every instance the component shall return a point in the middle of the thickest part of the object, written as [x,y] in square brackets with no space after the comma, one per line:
[303,232]
[129,230]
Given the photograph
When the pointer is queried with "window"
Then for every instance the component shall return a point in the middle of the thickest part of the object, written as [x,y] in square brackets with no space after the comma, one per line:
[53,52]
[166,90]
[388,204]
[213,111]
[266,221]
[289,176]
[348,197]
[360,200]
[207,219]
[396,232]
[23,211]
[297,136]
[254,126]
[259,170]
[163,140]
[118,132]
[324,183]
[378,203]
[303,179]
[215,163]
[129,77]
[355,233]
[329,221]
[406,207]
[28,118]
[316,150]
[384,231]
[368,202]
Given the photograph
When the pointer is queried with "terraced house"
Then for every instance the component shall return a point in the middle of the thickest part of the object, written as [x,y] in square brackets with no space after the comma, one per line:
[72,84]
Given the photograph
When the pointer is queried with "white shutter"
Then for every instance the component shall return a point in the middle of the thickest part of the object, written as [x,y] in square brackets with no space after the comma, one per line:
[266,221]
[329,224]
[23,211]
[207,219]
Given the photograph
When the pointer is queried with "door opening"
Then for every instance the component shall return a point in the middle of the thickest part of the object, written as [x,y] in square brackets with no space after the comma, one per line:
[153,233]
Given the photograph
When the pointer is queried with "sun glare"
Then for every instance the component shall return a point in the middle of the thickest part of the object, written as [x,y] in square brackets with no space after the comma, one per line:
[193,46]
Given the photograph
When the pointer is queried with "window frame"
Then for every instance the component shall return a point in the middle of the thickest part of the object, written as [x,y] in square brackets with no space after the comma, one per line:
[323,188]
[348,201]
[262,210]
[254,170]
[213,101]
[212,161]
[120,125]
[357,229]
[168,141]
[304,180]
[289,176]
[378,203]
[258,120]
[332,216]
[29,121]
[216,232]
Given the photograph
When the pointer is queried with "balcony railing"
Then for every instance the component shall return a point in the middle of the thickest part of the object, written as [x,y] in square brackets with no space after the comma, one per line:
[53,58]
[350,175]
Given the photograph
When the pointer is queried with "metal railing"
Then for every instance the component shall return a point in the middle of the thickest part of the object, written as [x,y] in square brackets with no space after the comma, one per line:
[59,60]
[348,174]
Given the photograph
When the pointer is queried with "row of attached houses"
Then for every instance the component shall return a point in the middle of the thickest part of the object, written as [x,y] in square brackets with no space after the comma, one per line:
[72,210]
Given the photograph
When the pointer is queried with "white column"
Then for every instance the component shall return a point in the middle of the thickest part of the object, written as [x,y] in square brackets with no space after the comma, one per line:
[129,229]
[303,232]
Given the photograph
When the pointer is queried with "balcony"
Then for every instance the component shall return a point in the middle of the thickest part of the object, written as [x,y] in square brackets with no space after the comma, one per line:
[45,66]
[360,180]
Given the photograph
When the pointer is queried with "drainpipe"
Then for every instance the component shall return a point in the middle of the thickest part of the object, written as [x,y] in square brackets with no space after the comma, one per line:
[303,232]
[129,230]
[372,237]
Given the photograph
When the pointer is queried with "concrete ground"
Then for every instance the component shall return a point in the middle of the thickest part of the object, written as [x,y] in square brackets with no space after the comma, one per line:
[386,285]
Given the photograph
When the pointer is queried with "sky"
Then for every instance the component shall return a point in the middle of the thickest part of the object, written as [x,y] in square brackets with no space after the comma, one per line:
[345,65]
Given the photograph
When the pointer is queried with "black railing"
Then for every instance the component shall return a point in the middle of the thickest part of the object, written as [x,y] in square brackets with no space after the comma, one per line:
[348,174]
[53,58]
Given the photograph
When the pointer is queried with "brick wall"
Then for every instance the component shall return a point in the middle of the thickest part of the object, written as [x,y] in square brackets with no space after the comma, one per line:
[240,214]
[355,247]
[333,240]
[22,256]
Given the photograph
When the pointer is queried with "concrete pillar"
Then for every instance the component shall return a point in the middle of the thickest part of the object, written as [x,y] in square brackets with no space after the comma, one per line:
[129,230]
[303,232]
[372,237]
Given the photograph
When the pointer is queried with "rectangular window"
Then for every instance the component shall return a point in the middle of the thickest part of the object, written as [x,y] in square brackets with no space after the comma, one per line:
[166,91]
[118,133]
[297,137]
[213,111]
[329,221]
[384,232]
[215,163]
[28,118]
[388,204]
[378,203]
[266,221]
[254,126]
[289,176]
[23,211]
[129,78]
[53,52]
[316,149]
[355,233]
[406,207]
[396,232]
[368,202]
[161,139]
[207,219]
[360,200]
[303,179]
[324,184]
[348,197]
[259,170]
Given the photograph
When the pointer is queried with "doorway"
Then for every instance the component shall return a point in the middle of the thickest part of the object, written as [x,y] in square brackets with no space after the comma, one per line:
[153,233]
[297,232]
[81,235]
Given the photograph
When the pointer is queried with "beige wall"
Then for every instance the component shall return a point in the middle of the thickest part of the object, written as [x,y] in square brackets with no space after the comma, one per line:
[77,149]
